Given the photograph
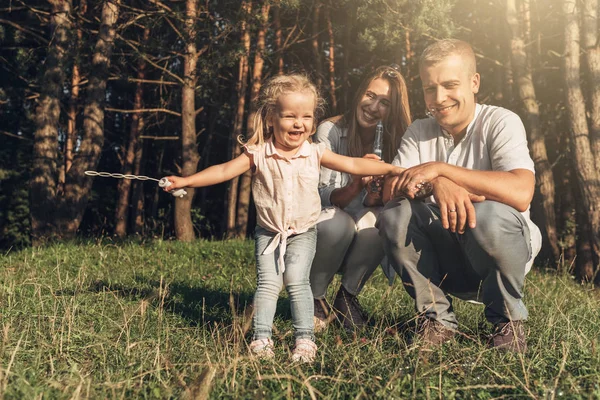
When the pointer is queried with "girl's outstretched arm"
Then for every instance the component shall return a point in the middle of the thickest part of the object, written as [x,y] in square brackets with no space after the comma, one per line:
[357,166]
[212,175]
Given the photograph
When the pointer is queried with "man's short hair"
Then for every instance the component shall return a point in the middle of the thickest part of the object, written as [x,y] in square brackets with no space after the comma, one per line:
[442,49]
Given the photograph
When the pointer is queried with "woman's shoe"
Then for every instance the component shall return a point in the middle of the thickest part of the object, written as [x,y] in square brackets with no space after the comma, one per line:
[348,311]
[323,315]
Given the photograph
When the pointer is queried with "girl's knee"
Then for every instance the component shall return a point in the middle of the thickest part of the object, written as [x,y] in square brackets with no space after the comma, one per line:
[298,288]
[269,287]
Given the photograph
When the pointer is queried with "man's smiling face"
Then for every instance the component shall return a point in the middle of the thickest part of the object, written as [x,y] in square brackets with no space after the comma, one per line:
[449,87]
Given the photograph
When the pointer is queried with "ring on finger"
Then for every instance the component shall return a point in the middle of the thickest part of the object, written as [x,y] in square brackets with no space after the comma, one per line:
[451,211]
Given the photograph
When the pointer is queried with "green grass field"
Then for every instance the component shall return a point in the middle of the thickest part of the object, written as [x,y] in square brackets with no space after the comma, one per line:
[166,320]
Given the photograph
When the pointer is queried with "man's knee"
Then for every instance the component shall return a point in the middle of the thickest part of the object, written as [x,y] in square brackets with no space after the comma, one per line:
[501,234]
[495,221]
[394,219]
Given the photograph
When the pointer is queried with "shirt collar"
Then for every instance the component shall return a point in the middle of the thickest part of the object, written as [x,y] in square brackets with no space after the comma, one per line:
[469,130]
[304,150]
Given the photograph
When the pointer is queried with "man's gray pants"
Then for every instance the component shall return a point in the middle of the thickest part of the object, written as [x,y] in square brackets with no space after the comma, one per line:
[486,263]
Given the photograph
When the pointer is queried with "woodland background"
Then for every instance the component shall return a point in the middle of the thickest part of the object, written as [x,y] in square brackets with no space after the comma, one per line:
[165,87]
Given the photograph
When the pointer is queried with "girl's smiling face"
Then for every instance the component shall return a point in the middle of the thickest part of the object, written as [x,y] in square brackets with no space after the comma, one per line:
[293,121]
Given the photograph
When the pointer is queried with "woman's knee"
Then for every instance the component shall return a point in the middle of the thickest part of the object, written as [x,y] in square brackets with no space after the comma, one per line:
[338,227]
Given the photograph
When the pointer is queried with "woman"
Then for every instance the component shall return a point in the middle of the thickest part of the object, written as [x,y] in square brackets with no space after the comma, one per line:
[348,242]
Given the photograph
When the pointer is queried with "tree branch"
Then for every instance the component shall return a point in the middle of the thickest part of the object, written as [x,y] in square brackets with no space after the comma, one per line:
[149,61]
[16,136]
[159,137]
[20,28]
[145,110]
[151,81]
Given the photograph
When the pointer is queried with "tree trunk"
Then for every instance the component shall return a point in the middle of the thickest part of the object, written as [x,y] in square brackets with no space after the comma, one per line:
[71,136]
[213,116]
[409,56]
[241,87]
[74,100]
[316,48]
[568,217]
[345,86]
[545,179]
[157,190]
[78,185]
[591,49]
[137,123]
[184,229]
[332,96]
[72,122]
[137,199]
[278,37]
[584,262]
[587,175]
[243,205]
[44,174]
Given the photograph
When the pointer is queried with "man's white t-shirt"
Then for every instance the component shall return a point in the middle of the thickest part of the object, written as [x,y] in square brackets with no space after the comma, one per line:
[495,141]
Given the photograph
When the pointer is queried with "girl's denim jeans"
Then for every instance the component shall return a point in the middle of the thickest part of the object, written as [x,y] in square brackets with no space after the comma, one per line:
[298,259]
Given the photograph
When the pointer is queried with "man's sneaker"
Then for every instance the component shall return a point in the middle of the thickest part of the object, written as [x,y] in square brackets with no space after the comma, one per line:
[348,311]
[305,351]
[509,336]
[323,315]
[262,348]
[431,333]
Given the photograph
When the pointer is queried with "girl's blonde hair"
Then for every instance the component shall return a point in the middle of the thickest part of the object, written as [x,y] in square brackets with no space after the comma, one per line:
[395,123]
[267,103]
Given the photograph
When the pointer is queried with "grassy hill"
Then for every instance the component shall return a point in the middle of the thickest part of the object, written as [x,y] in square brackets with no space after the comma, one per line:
[166,320]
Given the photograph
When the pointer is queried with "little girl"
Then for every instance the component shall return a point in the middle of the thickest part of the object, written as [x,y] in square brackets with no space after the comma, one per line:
[285,175]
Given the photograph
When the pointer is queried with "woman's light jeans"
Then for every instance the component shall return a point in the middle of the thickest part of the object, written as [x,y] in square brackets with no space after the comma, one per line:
[348,244]
[298,259]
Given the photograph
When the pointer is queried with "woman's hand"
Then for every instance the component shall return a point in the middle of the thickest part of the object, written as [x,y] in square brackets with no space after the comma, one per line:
[374,197]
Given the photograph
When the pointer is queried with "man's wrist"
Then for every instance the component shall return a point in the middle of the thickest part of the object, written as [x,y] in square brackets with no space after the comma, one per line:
[355,186]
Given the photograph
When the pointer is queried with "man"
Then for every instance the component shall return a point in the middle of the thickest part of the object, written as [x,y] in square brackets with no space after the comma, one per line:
[474,239]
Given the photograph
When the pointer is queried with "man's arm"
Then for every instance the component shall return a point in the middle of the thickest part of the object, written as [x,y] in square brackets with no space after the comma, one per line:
[514,188]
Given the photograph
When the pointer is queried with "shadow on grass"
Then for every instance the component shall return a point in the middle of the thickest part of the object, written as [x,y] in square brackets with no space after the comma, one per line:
[196,304]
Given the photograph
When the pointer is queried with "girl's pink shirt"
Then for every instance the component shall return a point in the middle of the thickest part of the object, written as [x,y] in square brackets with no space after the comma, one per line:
[285,191]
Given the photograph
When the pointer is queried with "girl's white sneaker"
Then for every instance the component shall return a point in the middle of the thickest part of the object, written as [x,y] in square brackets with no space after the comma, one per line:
[262,348]
[305,351]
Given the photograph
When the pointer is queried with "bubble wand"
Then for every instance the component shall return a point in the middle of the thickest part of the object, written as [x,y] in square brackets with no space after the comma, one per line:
[375,183]
[163,182]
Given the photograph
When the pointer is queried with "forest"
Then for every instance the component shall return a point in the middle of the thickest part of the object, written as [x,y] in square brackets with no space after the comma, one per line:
[160,87]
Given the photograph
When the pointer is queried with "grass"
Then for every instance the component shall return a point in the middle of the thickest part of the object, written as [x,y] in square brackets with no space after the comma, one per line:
[166,320]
